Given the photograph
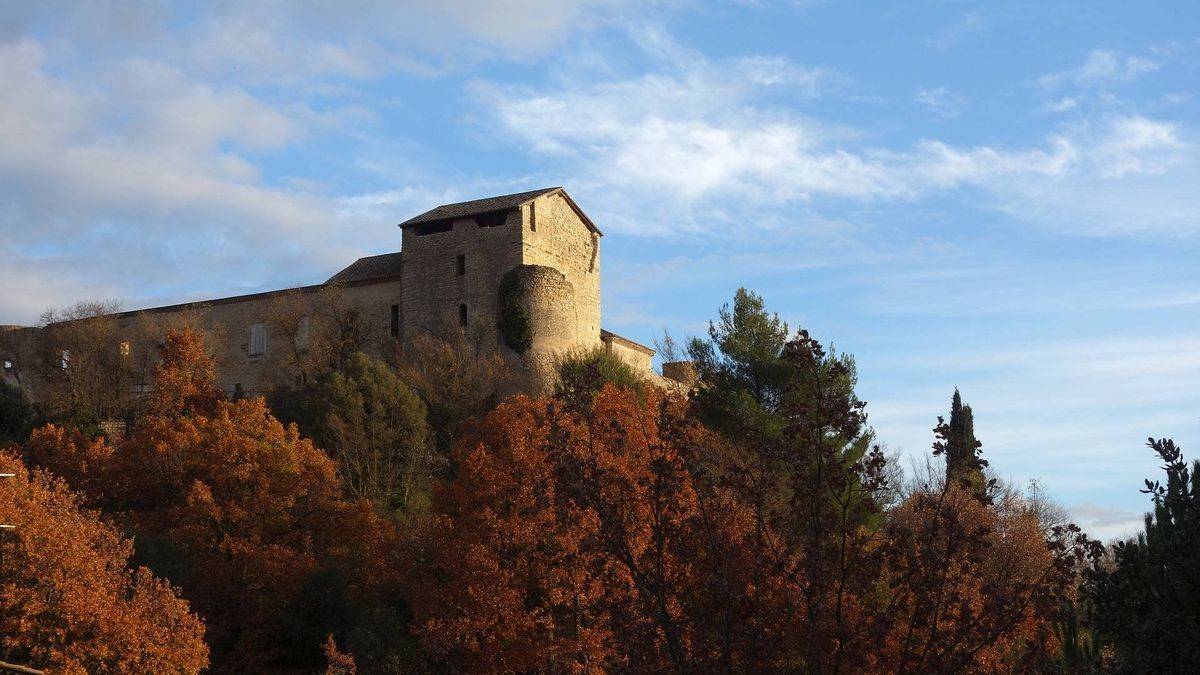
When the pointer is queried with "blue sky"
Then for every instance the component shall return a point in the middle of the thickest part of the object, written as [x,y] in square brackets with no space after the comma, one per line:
[1002,197]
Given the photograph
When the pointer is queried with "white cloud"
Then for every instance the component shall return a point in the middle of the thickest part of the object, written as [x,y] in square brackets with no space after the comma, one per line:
[266,41]
[941,100]
[1101,66]
[777,70]
[693,144]
[1107,523]
[145,170]
[1138,145]
[1063,104]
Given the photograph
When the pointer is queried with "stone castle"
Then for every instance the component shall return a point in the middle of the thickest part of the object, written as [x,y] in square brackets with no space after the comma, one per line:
[521,271]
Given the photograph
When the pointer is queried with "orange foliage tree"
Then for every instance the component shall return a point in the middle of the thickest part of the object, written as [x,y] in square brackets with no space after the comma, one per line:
[69,601]
[243,513]
[577,537]
[971,586]
[604,531]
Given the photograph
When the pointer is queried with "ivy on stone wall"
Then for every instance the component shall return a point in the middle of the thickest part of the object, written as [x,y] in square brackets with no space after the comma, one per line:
[513,319]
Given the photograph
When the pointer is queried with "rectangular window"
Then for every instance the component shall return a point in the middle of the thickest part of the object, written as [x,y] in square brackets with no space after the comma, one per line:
[462,315]
[126,349]
[433,227]
[258,339]
[533,216]
[395,325]
[66,359]
[460,264]
[302,335]
[493,219]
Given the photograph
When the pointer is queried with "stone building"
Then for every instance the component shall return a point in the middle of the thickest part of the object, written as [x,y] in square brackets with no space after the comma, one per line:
[521,271]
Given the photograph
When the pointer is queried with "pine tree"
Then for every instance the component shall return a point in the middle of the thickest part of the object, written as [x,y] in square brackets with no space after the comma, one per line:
[1145,596]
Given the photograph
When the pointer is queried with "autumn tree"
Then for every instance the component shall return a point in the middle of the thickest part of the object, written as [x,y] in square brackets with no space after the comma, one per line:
[578,539]
[599,533]
[374,427]
[246,516]
[1146,602]
[70,601]
[972,586]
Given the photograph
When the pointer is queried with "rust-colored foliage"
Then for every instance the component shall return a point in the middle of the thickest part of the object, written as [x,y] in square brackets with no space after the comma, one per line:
[969,586]
[613,532]
[579,539]
[237,509]
[69,602]
[184,378]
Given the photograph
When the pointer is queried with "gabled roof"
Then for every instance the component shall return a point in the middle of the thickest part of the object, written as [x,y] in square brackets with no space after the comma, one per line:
[370,267]
[477,207]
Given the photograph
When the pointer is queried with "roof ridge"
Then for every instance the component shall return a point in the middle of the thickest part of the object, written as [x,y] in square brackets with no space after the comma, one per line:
[474,207]
[537,191]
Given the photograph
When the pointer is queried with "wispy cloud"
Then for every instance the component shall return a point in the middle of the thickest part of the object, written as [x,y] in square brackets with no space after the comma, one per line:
[692,131]
[941,100]
[1101,66]
[1063,104]
[1107,523]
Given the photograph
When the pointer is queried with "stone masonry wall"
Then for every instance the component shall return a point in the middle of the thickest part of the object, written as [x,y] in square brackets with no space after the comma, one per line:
[433,289]
[227,324]
[555,236]
[640,360]
[547,238]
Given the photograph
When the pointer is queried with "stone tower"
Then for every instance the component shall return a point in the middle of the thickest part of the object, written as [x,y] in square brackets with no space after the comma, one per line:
[528,261]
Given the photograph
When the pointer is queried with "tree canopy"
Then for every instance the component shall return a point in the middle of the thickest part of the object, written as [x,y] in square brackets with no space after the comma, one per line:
[70,600]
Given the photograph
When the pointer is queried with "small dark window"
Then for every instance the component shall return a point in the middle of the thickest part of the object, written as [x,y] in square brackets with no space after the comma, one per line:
[395,327]
[462,315]
[460,265]
[493,219]
[434,227]
[533,216]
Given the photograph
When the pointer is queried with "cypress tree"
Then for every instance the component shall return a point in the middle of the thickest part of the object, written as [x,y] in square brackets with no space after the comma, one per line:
[963,462]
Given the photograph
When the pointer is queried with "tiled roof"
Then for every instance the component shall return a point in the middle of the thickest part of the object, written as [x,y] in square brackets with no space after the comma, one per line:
[477,207]
[371,267]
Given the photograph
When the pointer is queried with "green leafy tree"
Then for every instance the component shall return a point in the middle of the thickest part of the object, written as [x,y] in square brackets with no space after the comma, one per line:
[1146,602]
[374,426]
